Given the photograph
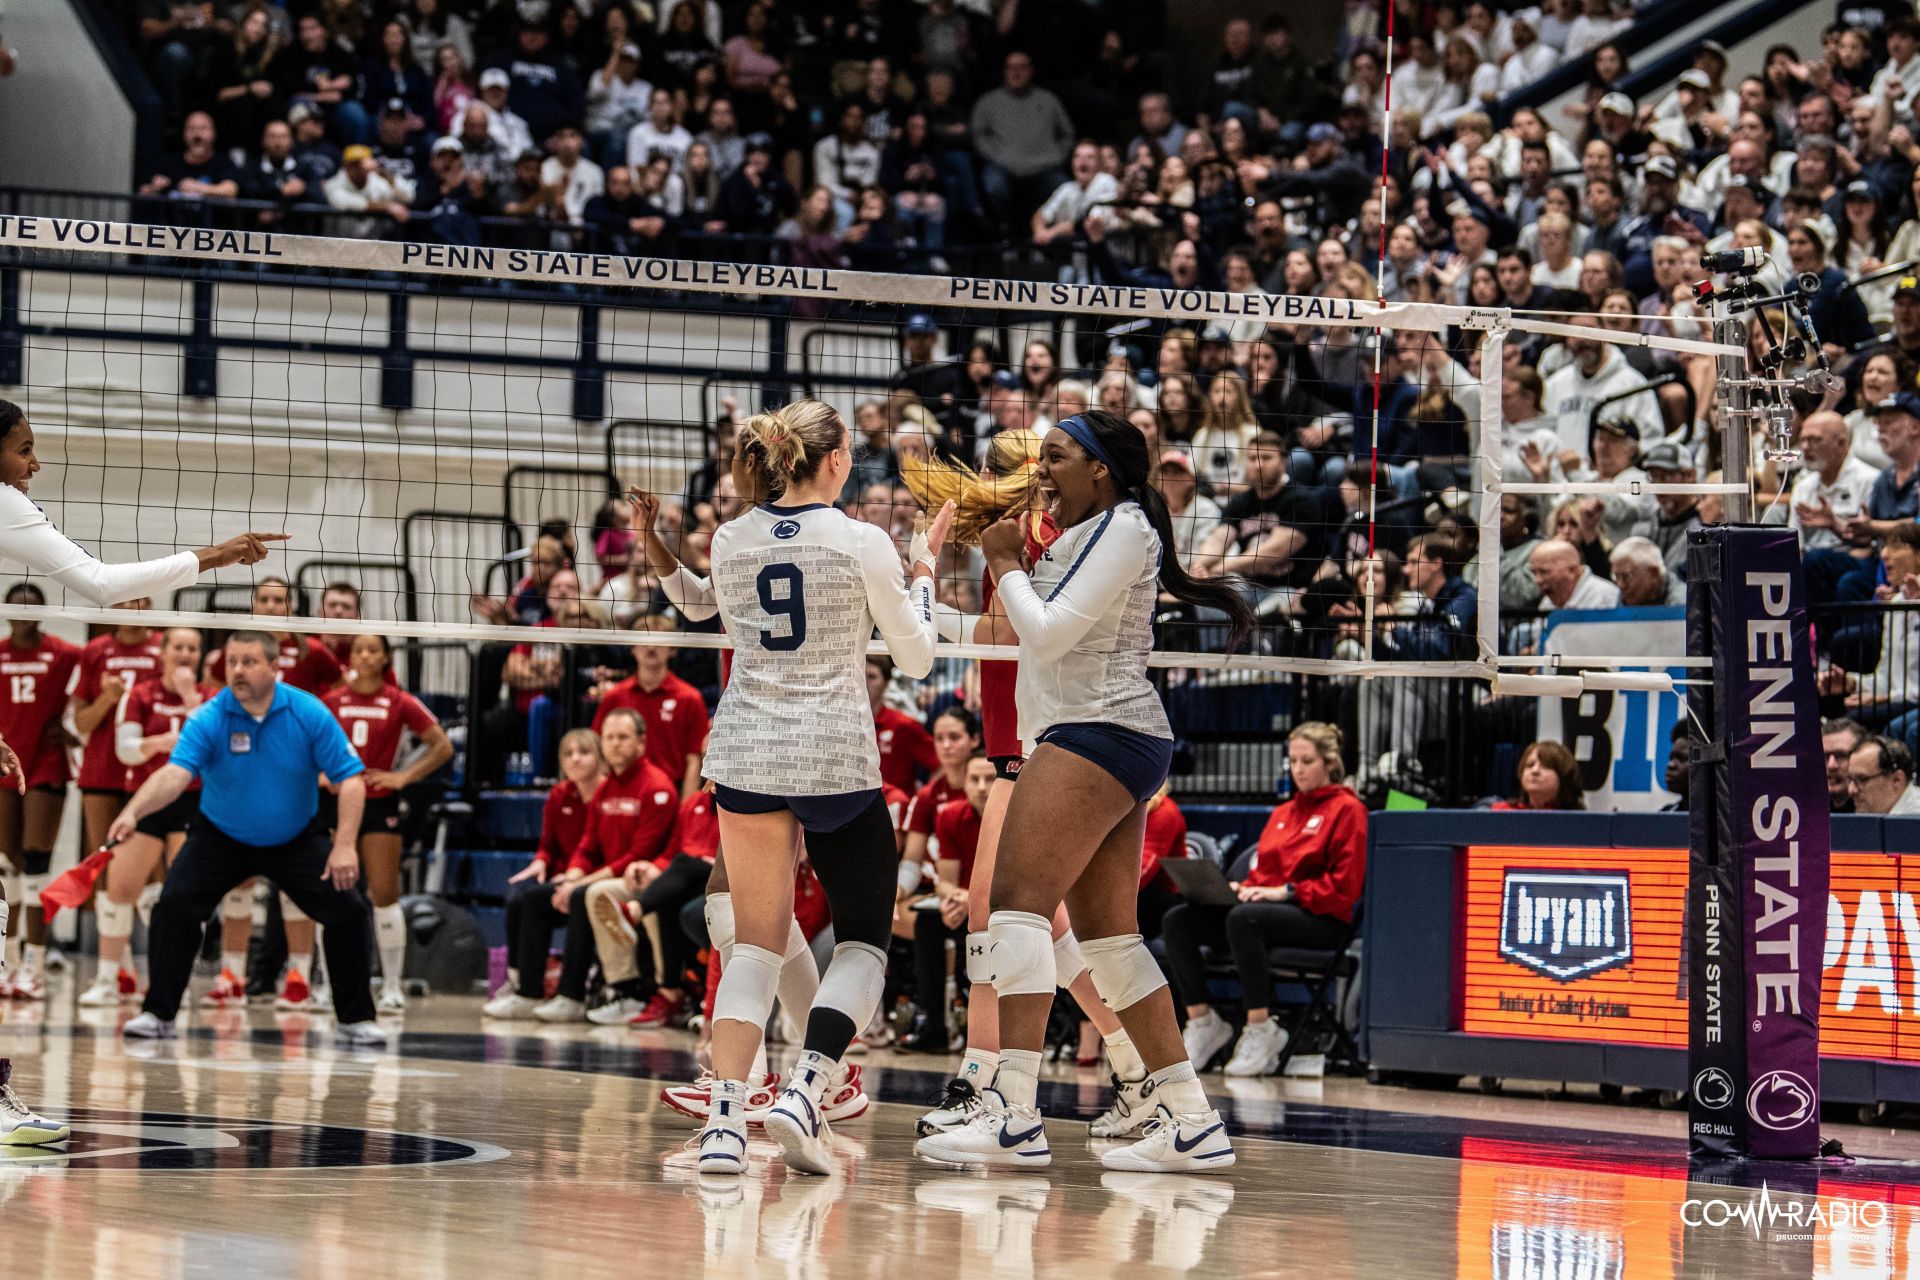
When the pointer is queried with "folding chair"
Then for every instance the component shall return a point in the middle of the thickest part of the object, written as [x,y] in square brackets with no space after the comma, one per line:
[1319,971]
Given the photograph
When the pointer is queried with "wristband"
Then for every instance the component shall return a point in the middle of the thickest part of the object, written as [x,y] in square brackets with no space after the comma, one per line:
[909,876]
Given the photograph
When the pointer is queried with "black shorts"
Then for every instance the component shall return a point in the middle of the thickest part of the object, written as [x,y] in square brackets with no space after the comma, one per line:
[381,817]
[177,816]
[1007,767]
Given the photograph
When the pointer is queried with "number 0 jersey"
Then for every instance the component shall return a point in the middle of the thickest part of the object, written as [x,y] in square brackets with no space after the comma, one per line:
[801,590]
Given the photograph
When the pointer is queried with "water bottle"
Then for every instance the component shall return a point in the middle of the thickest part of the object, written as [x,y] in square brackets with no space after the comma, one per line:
[519,769]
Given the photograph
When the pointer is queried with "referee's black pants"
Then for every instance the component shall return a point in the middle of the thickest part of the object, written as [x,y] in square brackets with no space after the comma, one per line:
[210,864]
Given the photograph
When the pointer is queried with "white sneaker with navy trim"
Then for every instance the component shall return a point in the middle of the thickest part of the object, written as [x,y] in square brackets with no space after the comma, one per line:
[997,1134]
[723,1142]
[796,1123]
[1128,1114]
[1193,1143]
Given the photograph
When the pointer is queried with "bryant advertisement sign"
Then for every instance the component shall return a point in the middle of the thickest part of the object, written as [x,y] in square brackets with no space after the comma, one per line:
[1544,958]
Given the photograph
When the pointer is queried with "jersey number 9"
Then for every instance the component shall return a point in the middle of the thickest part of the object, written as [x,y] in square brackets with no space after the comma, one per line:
[783,595]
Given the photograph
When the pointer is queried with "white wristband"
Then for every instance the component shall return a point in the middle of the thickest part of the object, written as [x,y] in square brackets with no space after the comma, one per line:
[911,874]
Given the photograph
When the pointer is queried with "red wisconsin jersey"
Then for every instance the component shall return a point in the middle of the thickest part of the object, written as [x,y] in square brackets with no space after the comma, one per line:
[562,822]
[155,708]
[906,749]
[957,828]
[897,802]
[100,767]
[305,662]
[999,716]
[699,833]
[631,816]
[1166,838]
[675,716]
[926,802]
[33,692]
[374,723]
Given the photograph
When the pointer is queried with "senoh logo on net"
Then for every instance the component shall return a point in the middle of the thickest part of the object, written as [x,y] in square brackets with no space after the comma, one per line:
[1566,925]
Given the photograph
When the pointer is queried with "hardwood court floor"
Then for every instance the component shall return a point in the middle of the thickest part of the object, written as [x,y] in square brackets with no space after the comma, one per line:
[250,1148]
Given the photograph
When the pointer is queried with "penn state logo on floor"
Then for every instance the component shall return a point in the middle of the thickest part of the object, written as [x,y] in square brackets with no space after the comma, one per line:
[158,1140]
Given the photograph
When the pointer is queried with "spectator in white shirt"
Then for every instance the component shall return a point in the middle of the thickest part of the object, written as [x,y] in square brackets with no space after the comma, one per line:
[617,100]
[578,178]
[508,131]
[1895,83]
[1079,197]
[1565,582]
[1597,371]
[1557,268]
[1596,25]
[1834,487]
[659,134]
[847,160]
[1532,56]
[362,187]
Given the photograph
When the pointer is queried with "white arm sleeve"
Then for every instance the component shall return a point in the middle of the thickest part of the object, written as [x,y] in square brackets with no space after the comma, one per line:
[904,615]
[1104,568]
[954,625]
[28,536]
[691,594]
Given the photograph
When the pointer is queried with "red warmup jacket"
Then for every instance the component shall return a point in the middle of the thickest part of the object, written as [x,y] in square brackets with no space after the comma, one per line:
[1166,838]
[1316,842]
[632,815]
[699,831]
[562,822]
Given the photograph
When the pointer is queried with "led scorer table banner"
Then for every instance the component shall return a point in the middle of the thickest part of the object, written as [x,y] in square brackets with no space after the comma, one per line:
[1584,945]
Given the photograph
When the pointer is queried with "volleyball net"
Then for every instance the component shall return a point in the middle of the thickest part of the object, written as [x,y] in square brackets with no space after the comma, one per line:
[449,430]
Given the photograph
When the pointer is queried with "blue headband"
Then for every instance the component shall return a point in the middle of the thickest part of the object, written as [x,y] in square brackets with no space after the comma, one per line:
[1082,434]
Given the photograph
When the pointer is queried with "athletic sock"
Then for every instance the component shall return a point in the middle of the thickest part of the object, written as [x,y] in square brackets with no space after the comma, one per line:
[812,1074]
[729,1101]
[390,933]
[978,1066]
[301,962]
[1126,1060]
[760,1060]
[33,957]
[235,963]
[1179,1088]
[1019,1078]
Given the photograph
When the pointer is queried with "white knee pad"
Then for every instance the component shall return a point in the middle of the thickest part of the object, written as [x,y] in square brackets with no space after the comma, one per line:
[1068,962]
[980,957]
[719,914]
[113,919]
[853,982]
[1123,970]
[237,905]
[1022,954]
[748,980]
[290,913]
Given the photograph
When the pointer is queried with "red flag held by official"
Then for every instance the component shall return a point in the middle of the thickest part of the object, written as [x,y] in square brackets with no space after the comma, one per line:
[72,888]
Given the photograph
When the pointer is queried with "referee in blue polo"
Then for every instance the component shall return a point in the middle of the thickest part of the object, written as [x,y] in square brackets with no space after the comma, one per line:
[259,749]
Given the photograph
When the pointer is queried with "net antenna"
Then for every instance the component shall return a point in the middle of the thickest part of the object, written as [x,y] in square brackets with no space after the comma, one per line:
[474,534]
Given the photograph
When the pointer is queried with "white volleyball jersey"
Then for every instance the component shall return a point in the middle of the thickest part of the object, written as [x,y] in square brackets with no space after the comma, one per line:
[800,591]
[1085,621]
